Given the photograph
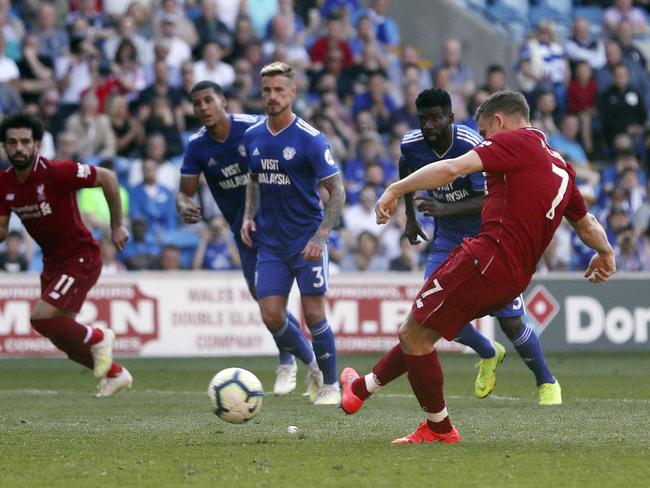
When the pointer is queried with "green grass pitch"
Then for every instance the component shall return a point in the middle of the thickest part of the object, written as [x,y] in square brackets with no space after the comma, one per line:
[53,432]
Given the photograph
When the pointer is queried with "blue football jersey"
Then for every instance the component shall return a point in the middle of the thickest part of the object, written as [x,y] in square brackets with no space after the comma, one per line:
[289,166]
[415,153]
[224,165]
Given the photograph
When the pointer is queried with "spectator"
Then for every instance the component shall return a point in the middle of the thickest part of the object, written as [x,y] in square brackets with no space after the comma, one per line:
[52,117]
[371,151]
[53,40]
[141,250]
[407,259]
[13,260]
[73,72]
[623,10]
[128,131]
[8,68]
[442,81]
[163,121]
[170,258]
[625,38]
[161,87]
[296,26]
[582,46]
[364,35]
[360,216]
[67,147]
[495,79]
[461,78]
[244,36]
[283,36]
[228,11]
[386,29]
[638,78]
[179,48]
[260,13]
[152,202]
[544,115]
[88,14]
[210,27]
[168,175]
[408,113]
[377,101]
[335,37]
[630,253]
[566,144]
[211,67]
[582,101]
[128,70]
[36,70]
[127,32]
[184,112]
[216,250]
[543,65]
[622,107]
[92,129]
[169,13]
[630,181]
[366,256]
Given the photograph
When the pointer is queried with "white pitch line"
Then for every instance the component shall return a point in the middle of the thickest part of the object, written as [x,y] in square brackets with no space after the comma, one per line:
[37,392]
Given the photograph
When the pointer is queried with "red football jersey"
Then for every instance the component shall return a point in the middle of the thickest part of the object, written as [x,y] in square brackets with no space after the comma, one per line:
[529,189]
[47,205]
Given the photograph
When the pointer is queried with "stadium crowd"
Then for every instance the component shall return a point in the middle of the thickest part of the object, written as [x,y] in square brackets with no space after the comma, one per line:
[112,82]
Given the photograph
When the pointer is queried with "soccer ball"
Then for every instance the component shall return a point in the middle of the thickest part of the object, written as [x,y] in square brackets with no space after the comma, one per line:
[235,395]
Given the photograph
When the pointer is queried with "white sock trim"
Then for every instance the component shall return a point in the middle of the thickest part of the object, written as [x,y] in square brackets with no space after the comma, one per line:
[89,333]
[371,383]
[438,417]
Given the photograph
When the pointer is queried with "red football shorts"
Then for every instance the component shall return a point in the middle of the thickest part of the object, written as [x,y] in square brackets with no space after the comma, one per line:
[457,293]
[65,285]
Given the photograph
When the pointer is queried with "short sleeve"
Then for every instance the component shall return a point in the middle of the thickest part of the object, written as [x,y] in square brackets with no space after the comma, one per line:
[249,152]
[191,165]
[499,153]
[72,176]
[478,182]
[320,156]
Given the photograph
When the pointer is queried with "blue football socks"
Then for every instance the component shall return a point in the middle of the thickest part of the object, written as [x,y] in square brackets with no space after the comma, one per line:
[471,337]
[285,357]
[527,345]
[289,338]
[325,350]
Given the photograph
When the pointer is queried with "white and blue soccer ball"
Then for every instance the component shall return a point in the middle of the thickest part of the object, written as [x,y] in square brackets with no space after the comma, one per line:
[235,395]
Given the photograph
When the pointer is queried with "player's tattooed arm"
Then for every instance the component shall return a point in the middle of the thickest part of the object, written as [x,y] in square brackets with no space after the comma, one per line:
[250,210]
[412,230]
[333,208]
[108,182]
[189,211]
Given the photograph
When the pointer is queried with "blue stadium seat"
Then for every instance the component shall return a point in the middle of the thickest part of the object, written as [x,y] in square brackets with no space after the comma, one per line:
[563,7]
[521,7]
[36,263]
[509,20]
[593,13]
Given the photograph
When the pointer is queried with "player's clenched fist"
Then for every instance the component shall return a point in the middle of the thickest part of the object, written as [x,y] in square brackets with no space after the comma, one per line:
[386,206]
[119,236]
[191,213]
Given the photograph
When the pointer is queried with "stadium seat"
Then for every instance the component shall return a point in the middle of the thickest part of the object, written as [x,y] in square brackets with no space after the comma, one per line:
[593,13]
[36,263]
[562,7]
[521,7]
[510,20]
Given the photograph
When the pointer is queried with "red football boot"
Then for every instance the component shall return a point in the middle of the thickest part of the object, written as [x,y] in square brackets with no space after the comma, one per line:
[424,435]
[350,403]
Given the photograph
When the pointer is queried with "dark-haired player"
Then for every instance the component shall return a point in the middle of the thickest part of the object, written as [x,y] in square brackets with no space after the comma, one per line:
[42,194]
[529,189]
[217,151]
[456,208]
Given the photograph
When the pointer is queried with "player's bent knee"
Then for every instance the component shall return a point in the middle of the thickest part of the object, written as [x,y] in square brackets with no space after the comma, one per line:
[414,338]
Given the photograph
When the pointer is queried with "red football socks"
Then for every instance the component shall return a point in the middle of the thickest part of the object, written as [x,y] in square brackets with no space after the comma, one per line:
[425,376]
[67,335]
[390,366]
[97,336]
[115,370]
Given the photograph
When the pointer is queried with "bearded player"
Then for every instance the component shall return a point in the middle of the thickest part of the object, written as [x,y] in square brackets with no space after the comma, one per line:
[42,194]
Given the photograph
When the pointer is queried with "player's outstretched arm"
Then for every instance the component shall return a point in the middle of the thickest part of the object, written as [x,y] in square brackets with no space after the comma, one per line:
[250,210]
[412,230]
[333,207]
[189,211]
[603,264]
[427,177]
[108,181]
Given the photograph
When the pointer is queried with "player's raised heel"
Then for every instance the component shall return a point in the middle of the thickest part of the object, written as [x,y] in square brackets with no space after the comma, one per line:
[285,380]
[487,378]
[110,386]
[550,393]
[424,435]
[350,403]
[103,354]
